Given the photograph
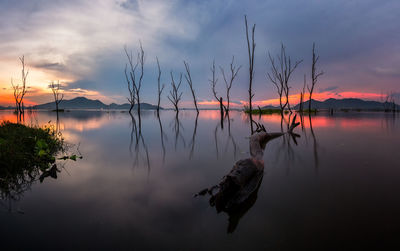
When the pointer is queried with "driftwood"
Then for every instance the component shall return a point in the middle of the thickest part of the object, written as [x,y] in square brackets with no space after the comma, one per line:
[237,191]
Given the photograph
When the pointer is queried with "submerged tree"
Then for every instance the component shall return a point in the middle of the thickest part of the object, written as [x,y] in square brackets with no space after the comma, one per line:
[250,49]
[280,75]
[213,82]
[160,88]
[139,85]
[20,89]
[188,78]
[135,82]
[174,94]
[301,104]
[55,88]
[314,75]
[228,83]
[131,79]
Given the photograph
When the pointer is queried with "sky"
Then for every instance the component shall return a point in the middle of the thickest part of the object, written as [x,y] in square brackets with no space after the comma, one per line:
[81,44]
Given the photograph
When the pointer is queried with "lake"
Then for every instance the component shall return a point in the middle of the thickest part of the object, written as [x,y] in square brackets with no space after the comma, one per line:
[336,189]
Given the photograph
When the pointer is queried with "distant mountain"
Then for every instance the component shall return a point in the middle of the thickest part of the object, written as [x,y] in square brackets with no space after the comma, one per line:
[347,103]
[6,108]
[270,107]
[85,103]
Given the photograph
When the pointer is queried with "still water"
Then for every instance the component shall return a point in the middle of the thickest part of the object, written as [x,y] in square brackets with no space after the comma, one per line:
[338,188]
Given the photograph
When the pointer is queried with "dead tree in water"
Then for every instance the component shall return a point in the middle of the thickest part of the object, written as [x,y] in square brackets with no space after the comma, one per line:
[55,88]
[250,49]
[213,82]
[314,75]
[237,191]
[20,90]
[280,75]
[228,84]
[188,78]
[301,104]
[141,64]
[135,82]
[131,79]
[160,88]
[175,95]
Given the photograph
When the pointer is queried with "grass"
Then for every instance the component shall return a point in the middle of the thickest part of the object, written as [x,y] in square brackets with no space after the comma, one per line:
[59,110]
[25,153]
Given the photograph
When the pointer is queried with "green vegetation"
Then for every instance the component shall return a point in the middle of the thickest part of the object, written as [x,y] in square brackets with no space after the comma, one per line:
[25,154]
[59,110]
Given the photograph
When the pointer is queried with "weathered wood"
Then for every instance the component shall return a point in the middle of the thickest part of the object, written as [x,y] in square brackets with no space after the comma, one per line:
[238,189]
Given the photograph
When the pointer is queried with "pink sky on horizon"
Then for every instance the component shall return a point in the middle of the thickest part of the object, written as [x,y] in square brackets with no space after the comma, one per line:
[7,99]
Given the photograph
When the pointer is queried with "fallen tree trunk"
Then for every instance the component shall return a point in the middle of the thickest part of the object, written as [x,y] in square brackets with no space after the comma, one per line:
[238,189]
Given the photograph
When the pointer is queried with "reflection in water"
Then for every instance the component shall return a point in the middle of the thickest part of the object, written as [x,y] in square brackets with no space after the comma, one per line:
[136,133]
[193,141]
[216,141]
[177,129]
[315,145]
[351,199]
[231,138]
[162,135]
[237,191]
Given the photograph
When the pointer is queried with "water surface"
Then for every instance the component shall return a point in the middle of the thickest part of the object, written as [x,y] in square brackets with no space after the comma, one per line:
[337,188]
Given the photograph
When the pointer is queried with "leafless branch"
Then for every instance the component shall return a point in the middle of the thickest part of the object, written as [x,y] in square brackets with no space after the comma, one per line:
[188,78]
[174,94]
[228,83]
[160,88]
[250,49]
[55,88]
[280,74]
[314,75]
[20,90]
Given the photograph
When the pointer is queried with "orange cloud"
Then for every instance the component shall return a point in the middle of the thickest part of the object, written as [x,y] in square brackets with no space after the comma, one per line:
[207,102]
[8,100]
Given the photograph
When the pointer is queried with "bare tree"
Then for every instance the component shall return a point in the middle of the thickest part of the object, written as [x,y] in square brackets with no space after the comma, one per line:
[20,90]
[213,82]
[174,94]
[135,82]
[188,78]
[139,86]
[55,88]
[280,75]
[131,79]
[160,88]
[228,83]
[250,49]
[314,75]
[301,104]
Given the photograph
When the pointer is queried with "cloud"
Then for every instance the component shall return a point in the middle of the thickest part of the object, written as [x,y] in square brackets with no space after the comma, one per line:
[387,71]
[330,88]
[81,42]
[49,66]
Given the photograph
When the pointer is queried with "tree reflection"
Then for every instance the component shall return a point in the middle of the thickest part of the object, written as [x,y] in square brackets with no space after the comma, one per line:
[193,141]
[315,144]
[177,129]
[137,137]
[162,135]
